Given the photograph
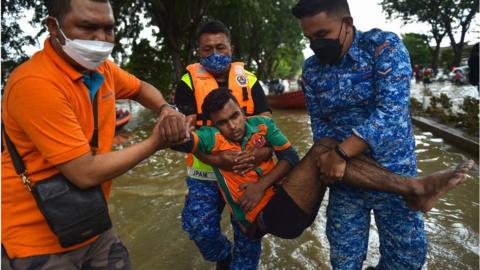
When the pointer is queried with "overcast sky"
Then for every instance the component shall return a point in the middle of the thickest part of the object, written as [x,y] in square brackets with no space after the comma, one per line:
[367,14]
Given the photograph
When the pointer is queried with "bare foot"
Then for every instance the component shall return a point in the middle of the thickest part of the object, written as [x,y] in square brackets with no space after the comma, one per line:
[431,187]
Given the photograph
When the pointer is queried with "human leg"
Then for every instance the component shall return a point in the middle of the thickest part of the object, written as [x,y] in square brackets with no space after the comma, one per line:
[420,194]
[403,243]
[6,264]
[246,251]
[304,190]
[364,172]
[348,224]
[106,253]
[282,217]
[201,219]
[67,261]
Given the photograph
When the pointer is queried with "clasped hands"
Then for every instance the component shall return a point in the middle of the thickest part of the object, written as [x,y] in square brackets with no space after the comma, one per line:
[171,128]
[331,167]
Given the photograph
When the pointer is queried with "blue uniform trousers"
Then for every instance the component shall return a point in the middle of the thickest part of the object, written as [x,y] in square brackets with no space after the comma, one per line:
[401,231]
[201,220]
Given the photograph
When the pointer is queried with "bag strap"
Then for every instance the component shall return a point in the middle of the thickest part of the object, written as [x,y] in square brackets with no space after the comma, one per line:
[17,160]
[94,140]
[6,262]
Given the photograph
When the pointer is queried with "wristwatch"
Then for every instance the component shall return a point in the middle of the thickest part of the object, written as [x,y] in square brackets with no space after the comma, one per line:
[168,105]
[341,153]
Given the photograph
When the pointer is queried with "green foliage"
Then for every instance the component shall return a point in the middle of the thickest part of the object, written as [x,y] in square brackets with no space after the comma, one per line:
[13,38]
[446,58]
[445,101]
[264,35]
[433,104]
[149,64]
[470,118]
[445,17]
[418,48]
[415,106]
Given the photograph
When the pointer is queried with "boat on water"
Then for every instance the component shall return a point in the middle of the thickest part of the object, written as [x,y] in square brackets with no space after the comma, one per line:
[287,100]
[122,117]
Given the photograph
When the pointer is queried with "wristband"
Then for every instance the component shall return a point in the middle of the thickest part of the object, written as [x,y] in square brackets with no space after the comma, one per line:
[341,153]
[167,105]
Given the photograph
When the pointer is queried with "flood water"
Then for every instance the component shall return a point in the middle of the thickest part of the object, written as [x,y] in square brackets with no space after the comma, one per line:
[146,206]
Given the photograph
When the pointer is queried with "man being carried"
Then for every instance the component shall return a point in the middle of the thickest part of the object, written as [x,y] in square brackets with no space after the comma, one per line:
[260,207]
[204,205]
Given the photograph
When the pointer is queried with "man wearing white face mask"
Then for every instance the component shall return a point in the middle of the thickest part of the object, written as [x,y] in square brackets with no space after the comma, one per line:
[59,112]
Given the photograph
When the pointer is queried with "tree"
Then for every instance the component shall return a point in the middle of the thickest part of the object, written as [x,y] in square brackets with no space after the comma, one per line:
[446,58]
[444,17]
[13,38]
[418,48]
[148,64]
[410,10]
[458,14]
[264,34]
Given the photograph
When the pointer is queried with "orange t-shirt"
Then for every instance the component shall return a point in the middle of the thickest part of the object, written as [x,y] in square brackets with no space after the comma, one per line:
[259,131]
[48,115]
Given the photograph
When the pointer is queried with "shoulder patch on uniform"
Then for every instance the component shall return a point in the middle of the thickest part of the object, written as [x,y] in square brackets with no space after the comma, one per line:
[380,48]
[384,73]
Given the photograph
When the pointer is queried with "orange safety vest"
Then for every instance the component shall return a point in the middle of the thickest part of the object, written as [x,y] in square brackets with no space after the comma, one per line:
[203,83]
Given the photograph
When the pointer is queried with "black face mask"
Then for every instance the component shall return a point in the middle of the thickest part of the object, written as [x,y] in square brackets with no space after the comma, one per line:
[327,51]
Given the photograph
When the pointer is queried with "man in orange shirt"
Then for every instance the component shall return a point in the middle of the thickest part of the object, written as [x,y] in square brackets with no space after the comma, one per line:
[47,111]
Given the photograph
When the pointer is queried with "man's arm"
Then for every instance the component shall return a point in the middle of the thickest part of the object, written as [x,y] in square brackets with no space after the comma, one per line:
[392,84]
[151,98]
[241,162]
[287,159]
[91,170]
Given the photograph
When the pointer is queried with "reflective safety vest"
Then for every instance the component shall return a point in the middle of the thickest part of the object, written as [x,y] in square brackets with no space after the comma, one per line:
[201,82]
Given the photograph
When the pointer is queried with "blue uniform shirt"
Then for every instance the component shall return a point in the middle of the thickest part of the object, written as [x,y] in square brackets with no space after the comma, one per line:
[366,93]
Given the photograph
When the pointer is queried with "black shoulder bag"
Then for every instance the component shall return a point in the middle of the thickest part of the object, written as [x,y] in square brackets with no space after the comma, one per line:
[74,215]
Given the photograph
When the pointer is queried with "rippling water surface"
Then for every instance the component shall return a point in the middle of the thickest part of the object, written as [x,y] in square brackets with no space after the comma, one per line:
[147,201]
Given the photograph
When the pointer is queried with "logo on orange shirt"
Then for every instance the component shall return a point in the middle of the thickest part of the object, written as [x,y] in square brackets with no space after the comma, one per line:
[259,142]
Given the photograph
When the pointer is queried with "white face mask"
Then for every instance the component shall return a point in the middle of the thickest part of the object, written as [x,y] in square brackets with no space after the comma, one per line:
[90,54]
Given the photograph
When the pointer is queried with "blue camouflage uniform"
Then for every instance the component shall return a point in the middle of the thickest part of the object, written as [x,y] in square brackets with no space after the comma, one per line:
[367,93]
[201,219]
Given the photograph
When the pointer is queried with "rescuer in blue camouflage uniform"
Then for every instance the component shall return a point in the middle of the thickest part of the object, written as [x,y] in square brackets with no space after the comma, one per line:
[357,88]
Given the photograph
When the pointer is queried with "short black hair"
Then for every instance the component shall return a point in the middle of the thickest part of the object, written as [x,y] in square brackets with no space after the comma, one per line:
[216,100]
[305,8]
[213,27]
[58,8]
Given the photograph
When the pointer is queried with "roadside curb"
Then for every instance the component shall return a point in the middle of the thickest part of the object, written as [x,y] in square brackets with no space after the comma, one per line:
[449,134]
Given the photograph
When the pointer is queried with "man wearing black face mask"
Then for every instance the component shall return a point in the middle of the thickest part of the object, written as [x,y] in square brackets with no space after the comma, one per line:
[204,203]
[357,89]
[328,51]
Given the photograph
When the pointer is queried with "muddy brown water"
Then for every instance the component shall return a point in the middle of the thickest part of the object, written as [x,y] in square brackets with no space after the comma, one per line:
[146,206]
